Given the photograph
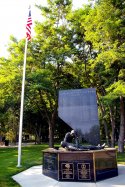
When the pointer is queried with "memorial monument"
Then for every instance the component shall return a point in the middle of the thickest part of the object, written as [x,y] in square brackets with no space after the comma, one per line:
[78,162]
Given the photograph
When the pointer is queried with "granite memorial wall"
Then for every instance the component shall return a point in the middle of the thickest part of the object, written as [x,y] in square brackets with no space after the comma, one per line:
[78,109]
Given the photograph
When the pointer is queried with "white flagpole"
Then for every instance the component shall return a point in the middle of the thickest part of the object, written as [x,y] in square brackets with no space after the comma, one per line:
[21,107]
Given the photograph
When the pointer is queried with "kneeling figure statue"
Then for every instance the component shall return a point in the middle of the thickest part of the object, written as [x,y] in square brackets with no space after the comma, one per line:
[71,142]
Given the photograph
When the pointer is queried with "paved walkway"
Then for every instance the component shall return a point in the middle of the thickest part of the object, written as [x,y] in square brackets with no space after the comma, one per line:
[33,177]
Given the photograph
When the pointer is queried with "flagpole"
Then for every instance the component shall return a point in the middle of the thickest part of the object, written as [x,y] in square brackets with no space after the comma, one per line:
[21,106]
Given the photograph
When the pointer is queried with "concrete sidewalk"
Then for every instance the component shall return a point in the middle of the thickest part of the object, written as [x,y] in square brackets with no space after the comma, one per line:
[33,177]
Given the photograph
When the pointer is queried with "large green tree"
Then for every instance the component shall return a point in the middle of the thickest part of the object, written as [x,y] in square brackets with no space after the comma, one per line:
[105,29]
[53,46]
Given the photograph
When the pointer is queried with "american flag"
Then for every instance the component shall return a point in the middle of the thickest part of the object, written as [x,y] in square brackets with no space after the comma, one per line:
[28,26]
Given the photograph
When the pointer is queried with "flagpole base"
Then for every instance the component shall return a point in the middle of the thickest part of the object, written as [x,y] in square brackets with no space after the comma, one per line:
[19,166]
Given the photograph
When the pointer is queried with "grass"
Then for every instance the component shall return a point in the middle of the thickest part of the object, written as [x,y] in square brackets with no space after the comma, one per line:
[121,158]
[31,156]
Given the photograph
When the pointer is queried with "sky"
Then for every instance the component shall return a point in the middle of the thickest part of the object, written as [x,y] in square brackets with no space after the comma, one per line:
[13,17]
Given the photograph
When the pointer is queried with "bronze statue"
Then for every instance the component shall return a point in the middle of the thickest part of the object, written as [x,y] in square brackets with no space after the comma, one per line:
[71,142]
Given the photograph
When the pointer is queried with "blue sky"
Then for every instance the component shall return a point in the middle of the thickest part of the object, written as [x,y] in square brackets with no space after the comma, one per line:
[13,17]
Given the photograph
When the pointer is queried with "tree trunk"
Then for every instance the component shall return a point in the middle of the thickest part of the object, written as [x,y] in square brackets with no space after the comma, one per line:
[51,128]
[122,126]
[38,133]
[113,128]
[51,135]
[105,127]
[103,113]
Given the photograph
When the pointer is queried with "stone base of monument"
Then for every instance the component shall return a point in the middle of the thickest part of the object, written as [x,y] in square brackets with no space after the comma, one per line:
[84,166]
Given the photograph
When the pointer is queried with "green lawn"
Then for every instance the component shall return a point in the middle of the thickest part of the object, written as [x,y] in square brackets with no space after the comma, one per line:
[31,156]
[121,158]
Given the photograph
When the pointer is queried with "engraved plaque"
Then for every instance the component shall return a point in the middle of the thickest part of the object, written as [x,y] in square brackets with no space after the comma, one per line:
[105,160]
[50,162]
[83,171]
[67,170]
[75,156]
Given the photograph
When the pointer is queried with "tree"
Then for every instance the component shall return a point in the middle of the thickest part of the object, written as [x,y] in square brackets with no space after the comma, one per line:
[53,41]
[106,31]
